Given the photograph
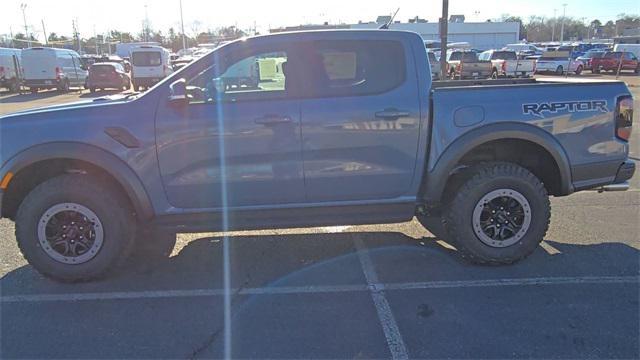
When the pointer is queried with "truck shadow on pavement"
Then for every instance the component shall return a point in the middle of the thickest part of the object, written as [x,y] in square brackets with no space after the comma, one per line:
[262,260]
[306,295]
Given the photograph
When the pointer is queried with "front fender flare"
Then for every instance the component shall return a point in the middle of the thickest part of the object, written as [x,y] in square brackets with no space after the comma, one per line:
[98,157]
[435,180]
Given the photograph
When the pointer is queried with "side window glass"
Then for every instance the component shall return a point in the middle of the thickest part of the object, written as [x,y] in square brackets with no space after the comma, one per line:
[256,77]
[353,68]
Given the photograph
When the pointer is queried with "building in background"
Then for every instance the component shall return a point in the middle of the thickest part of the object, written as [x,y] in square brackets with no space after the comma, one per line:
[480,35]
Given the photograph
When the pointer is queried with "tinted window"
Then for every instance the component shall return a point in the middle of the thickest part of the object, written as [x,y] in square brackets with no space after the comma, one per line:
[613,55]
[101,69]
[260,76]
[504,55]
[352,68]
[146,58]
[594,54]
[432,57]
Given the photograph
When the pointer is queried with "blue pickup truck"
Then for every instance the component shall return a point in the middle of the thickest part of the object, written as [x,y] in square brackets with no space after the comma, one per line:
[343,127]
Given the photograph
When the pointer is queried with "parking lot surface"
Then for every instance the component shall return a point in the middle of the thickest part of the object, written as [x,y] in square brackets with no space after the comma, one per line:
[380,291]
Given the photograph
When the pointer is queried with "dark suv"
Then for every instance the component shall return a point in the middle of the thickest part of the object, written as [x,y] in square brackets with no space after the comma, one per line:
[106,76]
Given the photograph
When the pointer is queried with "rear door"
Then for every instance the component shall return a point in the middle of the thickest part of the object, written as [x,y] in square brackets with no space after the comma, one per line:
[360,119]
[147,64]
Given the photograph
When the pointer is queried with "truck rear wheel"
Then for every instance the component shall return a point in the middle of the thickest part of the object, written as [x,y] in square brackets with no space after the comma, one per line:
[499,215]
[559,70]
[71,229]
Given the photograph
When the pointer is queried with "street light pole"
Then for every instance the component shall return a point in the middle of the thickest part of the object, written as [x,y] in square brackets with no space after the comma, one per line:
[553,29]
[564,11]
[444,30]
[184,39]
[23,7]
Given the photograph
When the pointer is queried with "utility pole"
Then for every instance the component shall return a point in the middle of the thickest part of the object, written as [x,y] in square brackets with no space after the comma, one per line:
[95,39]
[444,29]
[44,31]
[553,29]
[184,38]
[23,7]
[146,24]
[564,11]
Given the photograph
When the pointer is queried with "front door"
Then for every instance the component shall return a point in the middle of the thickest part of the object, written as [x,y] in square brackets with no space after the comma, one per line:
[237,143]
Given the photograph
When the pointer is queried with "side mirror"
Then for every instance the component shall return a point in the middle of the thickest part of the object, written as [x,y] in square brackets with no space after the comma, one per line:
[178,92]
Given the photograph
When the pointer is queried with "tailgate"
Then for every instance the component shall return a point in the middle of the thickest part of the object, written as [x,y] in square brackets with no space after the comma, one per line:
[520,65]
[476,67]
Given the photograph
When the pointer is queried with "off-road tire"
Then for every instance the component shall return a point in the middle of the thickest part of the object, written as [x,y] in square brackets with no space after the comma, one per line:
[110,206]
[483,179]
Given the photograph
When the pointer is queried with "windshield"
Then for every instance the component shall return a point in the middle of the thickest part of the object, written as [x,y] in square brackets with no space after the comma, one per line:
[594,54]
[613,55]
[146,58]
[504,55]
[102,69]
[464,56]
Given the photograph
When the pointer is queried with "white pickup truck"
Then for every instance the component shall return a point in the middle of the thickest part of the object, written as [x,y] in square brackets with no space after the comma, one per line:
[558,62]
[505,63]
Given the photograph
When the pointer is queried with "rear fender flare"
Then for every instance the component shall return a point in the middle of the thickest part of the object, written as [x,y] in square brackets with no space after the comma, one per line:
[435,181]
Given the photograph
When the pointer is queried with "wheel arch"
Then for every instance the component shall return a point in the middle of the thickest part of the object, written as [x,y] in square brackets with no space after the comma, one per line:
[118,171]
[435,180]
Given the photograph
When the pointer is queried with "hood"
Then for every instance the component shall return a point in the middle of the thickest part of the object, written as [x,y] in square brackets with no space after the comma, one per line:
[99,101]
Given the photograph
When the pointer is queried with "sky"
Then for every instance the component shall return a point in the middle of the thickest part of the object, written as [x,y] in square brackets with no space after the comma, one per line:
[200,15]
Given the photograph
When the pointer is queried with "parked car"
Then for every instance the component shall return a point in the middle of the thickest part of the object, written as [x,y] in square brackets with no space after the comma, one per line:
[632,48]
[614,60]
[116,59]
[463,64]
[50,68]
[150,64]
[505,63]
[523,50]
[354,131]
[108,75]
[558,62]
[10,76]
[436,70]
[588,57]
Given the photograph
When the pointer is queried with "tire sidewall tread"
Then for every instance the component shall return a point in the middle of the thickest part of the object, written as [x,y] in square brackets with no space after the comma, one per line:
[110,206]
[485,178]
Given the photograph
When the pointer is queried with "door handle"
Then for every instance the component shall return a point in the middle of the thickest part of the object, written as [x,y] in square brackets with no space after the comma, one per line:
[391,114]
[273,119]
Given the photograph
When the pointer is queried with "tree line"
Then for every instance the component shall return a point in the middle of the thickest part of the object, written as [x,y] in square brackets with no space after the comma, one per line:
[541,29]
[535,29]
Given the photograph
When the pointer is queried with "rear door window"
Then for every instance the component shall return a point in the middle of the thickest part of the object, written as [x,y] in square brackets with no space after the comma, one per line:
[146,58]
[352,68]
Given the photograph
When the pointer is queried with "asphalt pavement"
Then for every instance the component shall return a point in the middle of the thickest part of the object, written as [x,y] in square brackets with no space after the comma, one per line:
[380,291]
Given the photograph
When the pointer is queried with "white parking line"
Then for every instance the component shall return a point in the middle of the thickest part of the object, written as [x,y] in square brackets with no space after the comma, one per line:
[385,315]
[321,289]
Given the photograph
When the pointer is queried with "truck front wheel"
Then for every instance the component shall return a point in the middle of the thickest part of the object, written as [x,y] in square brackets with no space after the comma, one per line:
[499,214]
[70,228]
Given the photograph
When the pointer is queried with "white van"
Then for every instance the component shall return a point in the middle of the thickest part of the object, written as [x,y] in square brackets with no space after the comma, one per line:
[49,68]
[10,69]
[149,65]
[632,48]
